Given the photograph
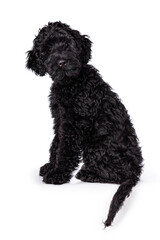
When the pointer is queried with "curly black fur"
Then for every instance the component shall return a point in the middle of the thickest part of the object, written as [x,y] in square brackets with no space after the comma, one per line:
[90,121]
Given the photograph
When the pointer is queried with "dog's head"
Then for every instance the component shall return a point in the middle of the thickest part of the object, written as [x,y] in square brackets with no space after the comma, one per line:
[59,51]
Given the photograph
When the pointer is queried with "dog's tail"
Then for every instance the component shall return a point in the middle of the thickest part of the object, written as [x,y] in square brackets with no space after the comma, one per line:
[123,191]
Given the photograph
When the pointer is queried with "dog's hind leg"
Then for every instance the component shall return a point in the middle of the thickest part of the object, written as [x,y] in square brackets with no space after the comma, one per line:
[98,165]
[87,175]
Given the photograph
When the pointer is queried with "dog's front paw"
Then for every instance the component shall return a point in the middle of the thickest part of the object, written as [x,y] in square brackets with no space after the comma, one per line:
[53,177]
[45,169]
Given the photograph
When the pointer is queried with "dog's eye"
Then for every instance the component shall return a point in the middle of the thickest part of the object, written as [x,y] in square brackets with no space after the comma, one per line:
[66,46]
[45,52]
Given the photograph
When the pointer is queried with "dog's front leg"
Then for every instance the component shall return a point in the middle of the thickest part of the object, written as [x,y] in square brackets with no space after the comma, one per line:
[67,155]
[53,151]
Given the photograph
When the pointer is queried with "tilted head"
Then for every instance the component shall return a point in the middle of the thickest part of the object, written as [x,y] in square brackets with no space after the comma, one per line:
[59,51]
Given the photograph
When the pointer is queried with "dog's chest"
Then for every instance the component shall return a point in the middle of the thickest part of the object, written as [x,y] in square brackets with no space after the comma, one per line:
[75,100]
[67,96]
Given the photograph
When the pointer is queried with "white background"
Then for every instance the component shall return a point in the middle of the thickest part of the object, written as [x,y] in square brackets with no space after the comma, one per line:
[126,50]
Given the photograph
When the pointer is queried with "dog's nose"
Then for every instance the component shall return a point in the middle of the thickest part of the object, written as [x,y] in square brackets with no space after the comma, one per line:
[61,63]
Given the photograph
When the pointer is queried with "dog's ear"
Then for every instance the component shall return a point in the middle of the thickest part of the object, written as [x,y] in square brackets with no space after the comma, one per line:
[83,42]
[86,48]
[34,57]
[34,62]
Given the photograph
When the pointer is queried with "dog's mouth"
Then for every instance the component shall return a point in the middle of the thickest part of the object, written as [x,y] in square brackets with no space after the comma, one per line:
[71,70]
[61,73]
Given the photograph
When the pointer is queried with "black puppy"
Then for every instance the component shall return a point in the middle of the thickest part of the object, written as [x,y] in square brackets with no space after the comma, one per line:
[89,119]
